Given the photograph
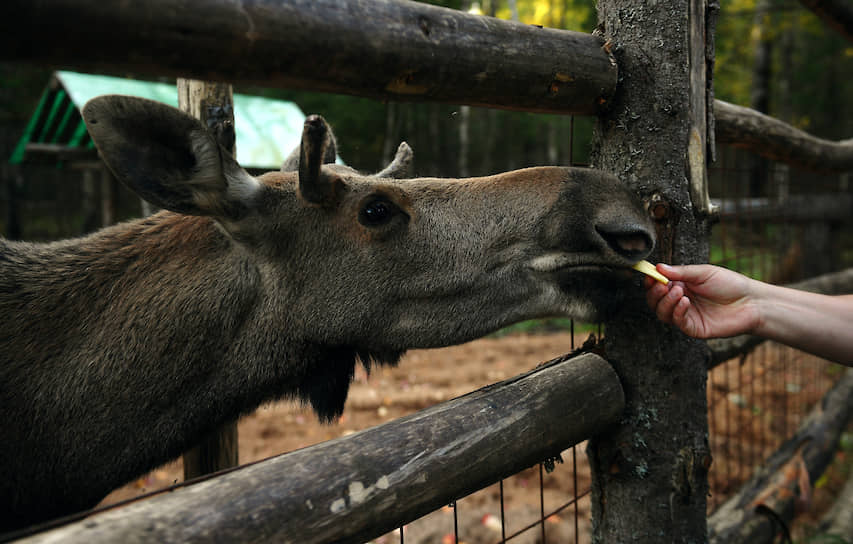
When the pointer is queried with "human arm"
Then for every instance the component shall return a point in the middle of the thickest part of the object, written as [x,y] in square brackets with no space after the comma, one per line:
[706,301]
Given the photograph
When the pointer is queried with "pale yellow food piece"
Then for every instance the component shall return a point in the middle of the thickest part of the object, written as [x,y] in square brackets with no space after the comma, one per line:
[649,269]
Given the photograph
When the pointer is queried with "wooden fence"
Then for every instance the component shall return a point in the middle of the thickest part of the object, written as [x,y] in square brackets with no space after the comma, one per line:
[351,489]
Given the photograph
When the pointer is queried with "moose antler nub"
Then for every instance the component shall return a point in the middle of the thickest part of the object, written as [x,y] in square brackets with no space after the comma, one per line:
[316,139]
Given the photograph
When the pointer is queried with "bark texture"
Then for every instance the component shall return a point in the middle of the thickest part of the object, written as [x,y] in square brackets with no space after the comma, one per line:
[650,474]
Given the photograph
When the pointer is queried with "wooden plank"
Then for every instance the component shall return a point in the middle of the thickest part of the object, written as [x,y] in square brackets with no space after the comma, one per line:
[358,487]
[213,104]
[383,49]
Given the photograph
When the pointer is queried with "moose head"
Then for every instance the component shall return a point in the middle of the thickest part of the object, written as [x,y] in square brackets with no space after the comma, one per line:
[123,348]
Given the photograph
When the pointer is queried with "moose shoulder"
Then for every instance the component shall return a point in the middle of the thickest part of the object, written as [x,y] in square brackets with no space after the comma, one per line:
[119,350]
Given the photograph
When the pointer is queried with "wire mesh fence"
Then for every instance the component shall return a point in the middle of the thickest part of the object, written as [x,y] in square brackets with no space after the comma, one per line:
[755,401]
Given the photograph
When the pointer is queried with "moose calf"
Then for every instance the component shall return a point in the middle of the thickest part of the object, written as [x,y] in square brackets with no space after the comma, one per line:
[121,349]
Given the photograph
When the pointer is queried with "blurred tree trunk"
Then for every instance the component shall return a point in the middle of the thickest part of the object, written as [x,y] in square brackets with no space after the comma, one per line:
[464,128]
[14,183]
[109,187]
[760,91]
[391,142]
[90,196]
[213,105]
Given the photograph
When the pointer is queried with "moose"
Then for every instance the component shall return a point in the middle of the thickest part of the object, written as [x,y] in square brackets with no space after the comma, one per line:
[121,349]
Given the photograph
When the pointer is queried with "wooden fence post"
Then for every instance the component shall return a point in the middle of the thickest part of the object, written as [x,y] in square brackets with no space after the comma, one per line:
[650,473]
[213,104]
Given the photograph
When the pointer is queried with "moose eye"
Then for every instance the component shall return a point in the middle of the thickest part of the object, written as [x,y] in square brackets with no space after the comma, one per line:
[376,213]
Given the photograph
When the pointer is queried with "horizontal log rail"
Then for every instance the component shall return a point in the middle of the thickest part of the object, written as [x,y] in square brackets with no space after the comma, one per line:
[382,49]
[783,485]
[774,139]
[837,207]
[723,349]
[358,487]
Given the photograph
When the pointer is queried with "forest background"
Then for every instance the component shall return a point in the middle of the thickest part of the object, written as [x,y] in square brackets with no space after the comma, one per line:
[772,55]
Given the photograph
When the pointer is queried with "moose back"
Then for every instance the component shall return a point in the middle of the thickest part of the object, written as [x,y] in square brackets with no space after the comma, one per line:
[121,349]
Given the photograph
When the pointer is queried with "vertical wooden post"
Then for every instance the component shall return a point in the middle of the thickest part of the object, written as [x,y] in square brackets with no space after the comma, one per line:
[213,104]
[108,197]
[650,472]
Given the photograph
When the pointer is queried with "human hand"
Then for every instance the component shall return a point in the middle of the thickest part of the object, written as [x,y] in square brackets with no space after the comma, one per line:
[704,301]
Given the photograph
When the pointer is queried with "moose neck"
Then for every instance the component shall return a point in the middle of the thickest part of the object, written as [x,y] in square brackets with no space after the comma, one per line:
[124,350]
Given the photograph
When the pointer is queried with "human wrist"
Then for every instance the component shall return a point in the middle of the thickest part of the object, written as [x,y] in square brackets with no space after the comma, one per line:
[759,301]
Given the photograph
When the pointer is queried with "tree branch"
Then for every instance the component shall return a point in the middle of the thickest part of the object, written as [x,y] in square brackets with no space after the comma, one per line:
[837,14]
[782,487]
[771,138]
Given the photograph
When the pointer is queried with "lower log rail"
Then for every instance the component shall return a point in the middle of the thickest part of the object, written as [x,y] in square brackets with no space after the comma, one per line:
[768,503]
[358,487]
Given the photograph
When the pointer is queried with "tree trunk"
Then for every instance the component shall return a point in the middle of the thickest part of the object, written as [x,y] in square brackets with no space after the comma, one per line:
[760,91]
[213,104]
[650,474]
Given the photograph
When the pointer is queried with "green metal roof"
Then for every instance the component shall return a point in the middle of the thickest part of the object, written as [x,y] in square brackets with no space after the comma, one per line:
[267,130]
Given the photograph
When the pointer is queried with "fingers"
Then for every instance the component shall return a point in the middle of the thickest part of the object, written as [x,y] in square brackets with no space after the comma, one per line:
[691,273]
[668,302]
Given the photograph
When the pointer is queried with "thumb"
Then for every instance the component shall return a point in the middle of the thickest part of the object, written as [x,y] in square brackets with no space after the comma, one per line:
[691,273]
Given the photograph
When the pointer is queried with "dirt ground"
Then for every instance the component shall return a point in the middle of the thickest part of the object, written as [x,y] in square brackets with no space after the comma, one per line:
[426,377]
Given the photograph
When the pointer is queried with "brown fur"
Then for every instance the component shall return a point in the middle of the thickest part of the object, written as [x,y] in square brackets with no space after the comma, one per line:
[119,350]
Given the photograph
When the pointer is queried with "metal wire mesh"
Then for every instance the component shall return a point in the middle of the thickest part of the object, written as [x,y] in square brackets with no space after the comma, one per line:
[754,402]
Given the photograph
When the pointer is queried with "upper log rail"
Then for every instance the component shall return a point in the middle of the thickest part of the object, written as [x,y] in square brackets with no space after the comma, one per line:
[382,49]
[361,486]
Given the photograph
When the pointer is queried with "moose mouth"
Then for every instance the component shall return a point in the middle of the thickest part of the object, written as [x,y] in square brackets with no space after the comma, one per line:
[588,281]
[568,265]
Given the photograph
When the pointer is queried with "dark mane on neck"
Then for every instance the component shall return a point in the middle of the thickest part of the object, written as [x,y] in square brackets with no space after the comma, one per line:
[327,384]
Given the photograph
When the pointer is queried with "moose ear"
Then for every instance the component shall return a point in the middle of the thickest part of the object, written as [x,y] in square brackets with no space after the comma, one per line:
[167,157]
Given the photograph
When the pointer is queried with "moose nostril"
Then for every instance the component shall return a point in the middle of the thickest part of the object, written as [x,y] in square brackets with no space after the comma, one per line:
[630,241]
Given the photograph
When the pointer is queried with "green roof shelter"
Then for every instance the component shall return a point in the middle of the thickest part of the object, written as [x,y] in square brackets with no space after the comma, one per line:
[267,130]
